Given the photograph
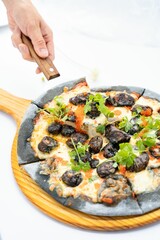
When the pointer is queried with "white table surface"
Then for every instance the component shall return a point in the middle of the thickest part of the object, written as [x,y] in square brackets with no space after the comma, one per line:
[123,47]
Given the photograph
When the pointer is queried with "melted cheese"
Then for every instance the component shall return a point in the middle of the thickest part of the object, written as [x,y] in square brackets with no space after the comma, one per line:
[154,104]
[144,181]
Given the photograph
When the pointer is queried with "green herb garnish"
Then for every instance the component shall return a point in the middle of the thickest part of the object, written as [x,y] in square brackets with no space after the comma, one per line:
[100,128]
[100,104]
[60,110]
[125,155]
[125,124]
[147,136]
[79,152]
[140,145]
[93,178]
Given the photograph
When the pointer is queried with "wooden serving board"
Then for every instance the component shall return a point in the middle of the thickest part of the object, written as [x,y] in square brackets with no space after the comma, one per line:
[16,107]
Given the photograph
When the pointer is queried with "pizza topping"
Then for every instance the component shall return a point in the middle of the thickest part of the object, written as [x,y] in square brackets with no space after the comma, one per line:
[121,99]
[80,157]
[95,144]
[55,128]
[71,117]
[48,166]
[125,155]
[114,189]
[72,178]
[60,110]
[155,150]
[158,133]
[114,135]
[140,163]
[86,157]
[130,126]
[142,110]
[79,99]
[110,150]
[100,128]
[67,130]
[94,162]
[93,112]
[76,138]
[96,105]
[47,144]
[106,168]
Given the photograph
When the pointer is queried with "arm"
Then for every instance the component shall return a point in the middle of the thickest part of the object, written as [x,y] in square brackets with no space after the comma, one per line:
[24,18]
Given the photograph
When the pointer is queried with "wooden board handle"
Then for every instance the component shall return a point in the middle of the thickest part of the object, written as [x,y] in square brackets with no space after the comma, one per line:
[13,105]
[45,64]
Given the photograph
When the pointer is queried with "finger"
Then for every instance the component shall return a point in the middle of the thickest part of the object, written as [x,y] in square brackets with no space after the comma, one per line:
[38,42]
[48,37]
[38,70]
[16,37]
[25,52]
[50,47]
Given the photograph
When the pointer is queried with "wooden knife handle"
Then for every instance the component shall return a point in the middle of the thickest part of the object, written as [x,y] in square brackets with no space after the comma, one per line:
[45,64]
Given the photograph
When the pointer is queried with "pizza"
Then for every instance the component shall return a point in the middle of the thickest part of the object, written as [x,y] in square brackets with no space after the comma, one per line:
[95,150]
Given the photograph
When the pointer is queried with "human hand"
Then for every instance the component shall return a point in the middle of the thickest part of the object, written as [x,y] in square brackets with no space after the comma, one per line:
[24,18]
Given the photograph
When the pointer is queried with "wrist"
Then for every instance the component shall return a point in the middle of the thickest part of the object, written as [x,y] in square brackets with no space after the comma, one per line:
[10,4]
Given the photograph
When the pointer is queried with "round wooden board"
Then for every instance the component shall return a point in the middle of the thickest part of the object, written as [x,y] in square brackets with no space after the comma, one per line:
[16,107]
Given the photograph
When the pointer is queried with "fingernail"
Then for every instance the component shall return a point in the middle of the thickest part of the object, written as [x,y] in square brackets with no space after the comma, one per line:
[43,52]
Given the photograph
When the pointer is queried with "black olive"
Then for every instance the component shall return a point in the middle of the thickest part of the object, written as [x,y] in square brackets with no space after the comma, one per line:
[79,99]
[121,99]
[47,144]
[135,127]
[140,163]
[55,128]
[115,136]
[94,162]
[155,151]
[85,158]
[94,111]
[134,120]
[71,118]
[67,130]
[106,168]
[95,144]
[72,178]
[158,133]
[110,150]
[76,138]
[113,189]
[142,110]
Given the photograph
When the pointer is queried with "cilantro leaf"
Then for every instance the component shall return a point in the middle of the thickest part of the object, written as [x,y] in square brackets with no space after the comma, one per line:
[149,142]
[60,110]
[79,151]
[147,136]
[100,104]
[100,128]
[125,155]
[140,145]
[125,124]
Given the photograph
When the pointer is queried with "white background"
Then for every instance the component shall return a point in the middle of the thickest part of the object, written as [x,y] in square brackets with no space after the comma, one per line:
[119,41]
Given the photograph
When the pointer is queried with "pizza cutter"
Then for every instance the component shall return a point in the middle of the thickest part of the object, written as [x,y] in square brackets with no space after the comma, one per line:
[45,64]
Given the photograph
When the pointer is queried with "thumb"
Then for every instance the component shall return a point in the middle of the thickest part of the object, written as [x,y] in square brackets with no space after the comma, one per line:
[39,43]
